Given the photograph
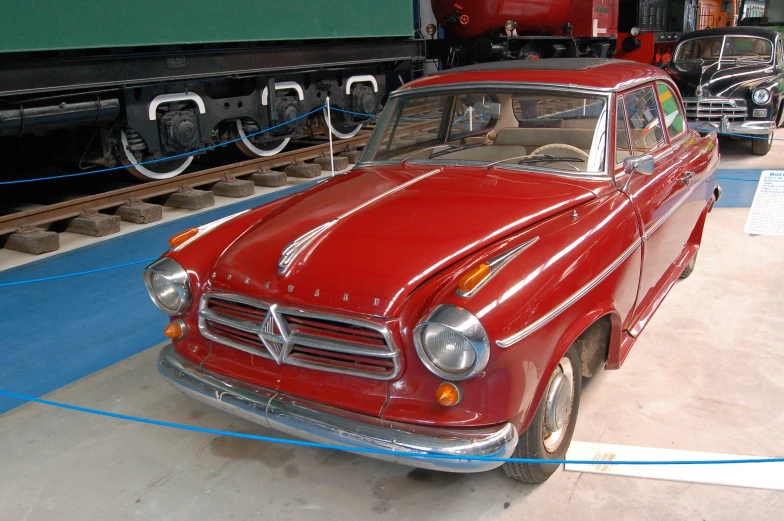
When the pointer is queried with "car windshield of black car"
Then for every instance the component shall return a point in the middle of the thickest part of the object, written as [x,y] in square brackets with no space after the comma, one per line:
[724,48]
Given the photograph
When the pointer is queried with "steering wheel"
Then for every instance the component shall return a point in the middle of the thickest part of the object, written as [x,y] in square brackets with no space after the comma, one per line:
[642,137]
[562,146]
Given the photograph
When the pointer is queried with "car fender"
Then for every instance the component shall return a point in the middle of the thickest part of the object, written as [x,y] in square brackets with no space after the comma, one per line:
[591,312]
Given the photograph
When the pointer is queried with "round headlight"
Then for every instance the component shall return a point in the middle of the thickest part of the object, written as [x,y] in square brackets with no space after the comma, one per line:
[168,285]
[510,25]
[447,349]
[431,29]
[165,291]
[452,343]
[761,96]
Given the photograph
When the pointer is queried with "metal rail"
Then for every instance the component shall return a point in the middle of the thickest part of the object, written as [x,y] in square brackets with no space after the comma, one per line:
[72,208]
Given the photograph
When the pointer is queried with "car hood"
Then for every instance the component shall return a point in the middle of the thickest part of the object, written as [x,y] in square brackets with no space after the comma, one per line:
[388,229]
[732,81]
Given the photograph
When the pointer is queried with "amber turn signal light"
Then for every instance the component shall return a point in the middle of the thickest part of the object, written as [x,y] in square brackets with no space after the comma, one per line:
[175,330]
[448,394]
[473,278]
[181,237]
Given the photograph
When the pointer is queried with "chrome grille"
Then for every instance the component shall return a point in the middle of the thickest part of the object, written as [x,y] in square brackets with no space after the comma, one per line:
[714,109]
[293,336]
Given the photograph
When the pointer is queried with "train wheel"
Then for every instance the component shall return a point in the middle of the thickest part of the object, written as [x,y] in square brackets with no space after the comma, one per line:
[152,171]
[339,126]
[258,149]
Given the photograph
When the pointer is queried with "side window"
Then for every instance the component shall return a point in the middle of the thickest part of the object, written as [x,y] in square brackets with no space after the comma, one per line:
[622,146]
[673,119]
[779,53]
[643,113]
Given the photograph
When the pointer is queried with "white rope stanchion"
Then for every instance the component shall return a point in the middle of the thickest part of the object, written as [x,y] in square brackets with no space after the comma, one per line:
[329,128]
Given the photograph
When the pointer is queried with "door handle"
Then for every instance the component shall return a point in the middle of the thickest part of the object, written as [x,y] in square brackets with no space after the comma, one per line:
[685,179]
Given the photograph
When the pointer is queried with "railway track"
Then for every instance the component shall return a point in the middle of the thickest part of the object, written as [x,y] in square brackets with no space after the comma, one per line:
[54,217]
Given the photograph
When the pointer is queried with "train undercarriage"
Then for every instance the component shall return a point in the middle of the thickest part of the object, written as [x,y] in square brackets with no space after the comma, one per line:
[141,108]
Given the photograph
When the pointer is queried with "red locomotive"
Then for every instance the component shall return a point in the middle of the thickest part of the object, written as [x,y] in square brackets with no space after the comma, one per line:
[474,31]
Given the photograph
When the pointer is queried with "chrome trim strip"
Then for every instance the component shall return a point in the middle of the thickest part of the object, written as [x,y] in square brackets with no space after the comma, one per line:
[542,321]
[297,246]
[323,424]
[496,264]
[288,338]
[243,325]
[674,209]
[518,85]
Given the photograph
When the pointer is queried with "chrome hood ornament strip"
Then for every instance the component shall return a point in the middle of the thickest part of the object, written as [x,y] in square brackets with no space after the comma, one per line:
[300,244]
[496,264]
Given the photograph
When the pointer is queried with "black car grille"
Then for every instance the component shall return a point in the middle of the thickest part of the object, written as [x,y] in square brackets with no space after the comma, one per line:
[714,110]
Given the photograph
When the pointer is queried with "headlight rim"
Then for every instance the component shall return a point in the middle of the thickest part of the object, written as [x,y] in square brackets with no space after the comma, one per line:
[761,89]
[463,322]
[175,274]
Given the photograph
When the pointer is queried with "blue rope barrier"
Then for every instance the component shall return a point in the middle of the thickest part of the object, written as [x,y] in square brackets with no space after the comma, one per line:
[167,158]
[738,179]
[702,129]
[67,275]
[362,450]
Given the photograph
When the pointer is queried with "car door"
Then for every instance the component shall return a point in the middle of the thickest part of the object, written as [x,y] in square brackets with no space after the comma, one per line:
[659,197]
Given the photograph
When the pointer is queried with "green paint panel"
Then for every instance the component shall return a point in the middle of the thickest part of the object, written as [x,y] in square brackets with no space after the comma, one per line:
[41,25]
[672,115]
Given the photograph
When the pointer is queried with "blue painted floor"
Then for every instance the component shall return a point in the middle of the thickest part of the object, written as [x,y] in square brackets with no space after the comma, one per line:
[56,332]
[738,186]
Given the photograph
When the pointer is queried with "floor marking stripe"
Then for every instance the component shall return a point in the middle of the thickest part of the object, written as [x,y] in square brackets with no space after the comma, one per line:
[769,476]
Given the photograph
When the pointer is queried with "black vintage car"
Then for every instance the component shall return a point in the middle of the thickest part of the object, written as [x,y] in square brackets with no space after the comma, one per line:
[731,80]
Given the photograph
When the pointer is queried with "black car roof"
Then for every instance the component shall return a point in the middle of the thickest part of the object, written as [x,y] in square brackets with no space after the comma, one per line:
[762,32]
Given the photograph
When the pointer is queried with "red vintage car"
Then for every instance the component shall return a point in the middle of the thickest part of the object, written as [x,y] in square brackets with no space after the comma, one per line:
[509,229]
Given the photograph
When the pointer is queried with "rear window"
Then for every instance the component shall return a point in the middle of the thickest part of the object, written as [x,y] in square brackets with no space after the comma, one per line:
[673,119]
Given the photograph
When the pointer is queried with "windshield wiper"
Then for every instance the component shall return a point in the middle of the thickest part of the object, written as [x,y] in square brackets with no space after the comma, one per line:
[456,148]
[547,158]
[412,154]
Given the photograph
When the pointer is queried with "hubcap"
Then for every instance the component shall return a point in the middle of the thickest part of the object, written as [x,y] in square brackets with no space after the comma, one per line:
[559,398]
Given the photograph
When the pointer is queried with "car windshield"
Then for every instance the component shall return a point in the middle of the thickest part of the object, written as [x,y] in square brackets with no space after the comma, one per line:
[540,128]
[725,48]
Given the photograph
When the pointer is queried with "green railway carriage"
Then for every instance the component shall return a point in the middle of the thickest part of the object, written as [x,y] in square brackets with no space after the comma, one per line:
[147,79]
[51,25]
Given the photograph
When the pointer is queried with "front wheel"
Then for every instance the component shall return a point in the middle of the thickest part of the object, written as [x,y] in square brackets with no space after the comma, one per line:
[760,145]
[550,433]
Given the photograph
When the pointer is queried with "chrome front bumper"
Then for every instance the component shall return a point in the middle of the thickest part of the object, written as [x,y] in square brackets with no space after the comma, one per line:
[735,127]
[322,424]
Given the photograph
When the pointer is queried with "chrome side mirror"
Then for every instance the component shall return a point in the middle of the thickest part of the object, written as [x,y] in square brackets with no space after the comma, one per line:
[637,164]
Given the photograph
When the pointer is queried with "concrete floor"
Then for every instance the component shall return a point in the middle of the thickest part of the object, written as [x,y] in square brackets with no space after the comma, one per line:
[736,153]
[705,376]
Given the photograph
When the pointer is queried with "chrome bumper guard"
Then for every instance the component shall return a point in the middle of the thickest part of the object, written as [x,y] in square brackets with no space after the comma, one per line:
[323,424]
[732,127]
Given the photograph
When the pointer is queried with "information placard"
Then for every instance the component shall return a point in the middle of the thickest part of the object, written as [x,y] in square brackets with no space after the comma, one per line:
[766,216]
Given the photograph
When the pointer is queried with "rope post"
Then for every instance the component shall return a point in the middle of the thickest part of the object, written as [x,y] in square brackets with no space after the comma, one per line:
[329,130]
